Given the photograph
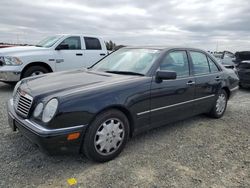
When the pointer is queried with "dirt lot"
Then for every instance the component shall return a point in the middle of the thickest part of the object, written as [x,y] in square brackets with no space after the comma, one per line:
[198,152]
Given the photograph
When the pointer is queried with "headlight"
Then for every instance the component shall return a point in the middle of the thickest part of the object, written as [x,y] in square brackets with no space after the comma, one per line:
[16,88]
[38,110]
[8,60]
[49,110]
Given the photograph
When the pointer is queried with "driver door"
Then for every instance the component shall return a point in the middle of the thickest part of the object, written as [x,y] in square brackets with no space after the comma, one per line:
[71,56]
[172,100]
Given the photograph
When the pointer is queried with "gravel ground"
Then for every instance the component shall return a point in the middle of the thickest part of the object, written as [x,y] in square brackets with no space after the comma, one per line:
[197,152]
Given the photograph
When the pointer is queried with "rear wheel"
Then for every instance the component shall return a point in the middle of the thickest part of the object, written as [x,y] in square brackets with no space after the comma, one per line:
[220,105]
[34,71]
[106,136]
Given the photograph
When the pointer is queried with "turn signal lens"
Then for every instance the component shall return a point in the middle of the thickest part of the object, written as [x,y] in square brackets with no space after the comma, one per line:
[73,136]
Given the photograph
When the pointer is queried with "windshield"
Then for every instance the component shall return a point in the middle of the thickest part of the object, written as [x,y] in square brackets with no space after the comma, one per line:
[128,61]
[48,41]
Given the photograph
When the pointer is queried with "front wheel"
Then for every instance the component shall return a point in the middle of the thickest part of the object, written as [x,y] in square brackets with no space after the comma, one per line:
[106,136]
[34,71]
[220,105]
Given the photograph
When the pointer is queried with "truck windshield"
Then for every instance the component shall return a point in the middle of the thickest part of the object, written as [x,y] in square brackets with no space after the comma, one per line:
[128,61]
[48,41]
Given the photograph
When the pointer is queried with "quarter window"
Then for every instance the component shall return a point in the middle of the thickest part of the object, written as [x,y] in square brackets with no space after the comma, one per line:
[92,43]
[176,61]
[74,43]
[213,66]
[200,63]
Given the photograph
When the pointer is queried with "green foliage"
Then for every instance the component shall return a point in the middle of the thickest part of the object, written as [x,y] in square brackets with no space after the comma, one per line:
[110,45]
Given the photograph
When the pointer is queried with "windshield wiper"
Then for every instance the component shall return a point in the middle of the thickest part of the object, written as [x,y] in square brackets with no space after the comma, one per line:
[38,46]
[125,72]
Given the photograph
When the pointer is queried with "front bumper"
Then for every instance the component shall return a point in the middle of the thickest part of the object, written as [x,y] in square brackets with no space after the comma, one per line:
[51,141]
[9,74]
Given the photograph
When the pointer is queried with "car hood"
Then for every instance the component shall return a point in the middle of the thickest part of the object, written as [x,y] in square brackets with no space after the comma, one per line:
[68,82]
[19,49]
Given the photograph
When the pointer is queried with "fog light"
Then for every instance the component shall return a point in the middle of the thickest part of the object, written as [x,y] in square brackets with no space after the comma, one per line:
[73,136]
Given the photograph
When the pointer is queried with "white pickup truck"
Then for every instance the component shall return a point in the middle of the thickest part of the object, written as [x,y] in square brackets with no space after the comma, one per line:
[54,53]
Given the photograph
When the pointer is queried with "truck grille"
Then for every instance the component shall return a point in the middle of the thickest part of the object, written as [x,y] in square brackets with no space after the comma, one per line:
[22,103]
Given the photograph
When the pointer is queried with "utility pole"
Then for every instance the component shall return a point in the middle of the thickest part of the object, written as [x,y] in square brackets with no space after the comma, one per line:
[17,38]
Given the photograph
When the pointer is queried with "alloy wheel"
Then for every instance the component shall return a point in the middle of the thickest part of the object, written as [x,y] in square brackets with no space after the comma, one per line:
[221,103]
[109,136]
[36,73]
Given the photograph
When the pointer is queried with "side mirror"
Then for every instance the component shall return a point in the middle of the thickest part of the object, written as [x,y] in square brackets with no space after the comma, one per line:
[165,75]
[62,47]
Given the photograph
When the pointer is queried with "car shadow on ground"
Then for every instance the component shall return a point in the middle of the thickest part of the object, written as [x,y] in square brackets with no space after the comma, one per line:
[6,87]
[34,164]
[247,89]
[30,152]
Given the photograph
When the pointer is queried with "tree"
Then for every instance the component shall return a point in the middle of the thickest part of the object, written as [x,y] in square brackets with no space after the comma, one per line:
[110,45]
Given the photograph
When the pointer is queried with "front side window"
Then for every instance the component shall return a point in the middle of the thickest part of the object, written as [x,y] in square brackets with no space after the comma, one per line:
[213,66]
[74,43]
[128,60]
[176,61]
[48,41]
[92,43]
[200,63]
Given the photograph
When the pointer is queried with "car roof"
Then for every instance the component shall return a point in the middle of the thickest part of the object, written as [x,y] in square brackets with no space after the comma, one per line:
[77,34]
[165,48]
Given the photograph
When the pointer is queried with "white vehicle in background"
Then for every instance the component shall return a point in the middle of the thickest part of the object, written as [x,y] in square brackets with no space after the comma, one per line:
[54,53]
[227,59]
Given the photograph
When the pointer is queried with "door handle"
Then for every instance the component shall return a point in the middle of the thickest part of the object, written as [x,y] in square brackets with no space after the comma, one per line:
[102,54]
[218,78]
[79,54]
[190,83]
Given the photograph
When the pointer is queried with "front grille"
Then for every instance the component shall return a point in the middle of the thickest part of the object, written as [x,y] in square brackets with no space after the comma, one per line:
[22,103]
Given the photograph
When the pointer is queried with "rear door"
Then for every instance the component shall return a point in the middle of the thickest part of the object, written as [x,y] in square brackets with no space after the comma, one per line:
[94,50]
[208,80]
[72,57]
[171,100]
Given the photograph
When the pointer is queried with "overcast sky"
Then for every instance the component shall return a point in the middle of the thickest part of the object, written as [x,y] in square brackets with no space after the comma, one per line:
[197,23]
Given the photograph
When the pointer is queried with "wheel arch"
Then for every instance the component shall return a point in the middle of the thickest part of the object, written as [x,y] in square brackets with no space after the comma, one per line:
[225,88]
[122,109]
[37,63]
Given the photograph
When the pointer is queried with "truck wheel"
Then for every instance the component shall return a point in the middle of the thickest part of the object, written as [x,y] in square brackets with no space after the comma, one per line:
[220,105]
[106,136]
[34,71]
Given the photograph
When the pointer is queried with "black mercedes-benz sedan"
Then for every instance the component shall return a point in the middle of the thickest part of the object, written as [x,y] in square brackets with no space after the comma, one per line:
[95,111]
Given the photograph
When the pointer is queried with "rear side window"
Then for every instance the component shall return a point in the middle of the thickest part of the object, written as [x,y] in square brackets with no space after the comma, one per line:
[213,66]
[176,61]
[200,63]
[74,43]
[92,43]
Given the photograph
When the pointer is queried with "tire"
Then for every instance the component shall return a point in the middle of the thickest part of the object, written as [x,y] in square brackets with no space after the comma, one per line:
[34,70]
[220,105]
[99,142]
